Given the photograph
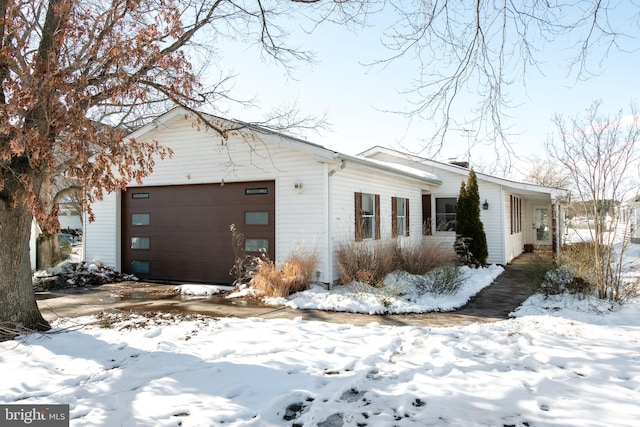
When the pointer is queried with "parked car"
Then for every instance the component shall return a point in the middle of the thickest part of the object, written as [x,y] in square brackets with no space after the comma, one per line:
[64,239]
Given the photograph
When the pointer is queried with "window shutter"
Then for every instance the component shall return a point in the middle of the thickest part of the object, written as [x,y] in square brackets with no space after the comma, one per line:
[406,215]
[394,217]
[377,220]
[358,217]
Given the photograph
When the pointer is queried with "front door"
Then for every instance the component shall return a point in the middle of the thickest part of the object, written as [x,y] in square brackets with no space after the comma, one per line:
[542,225]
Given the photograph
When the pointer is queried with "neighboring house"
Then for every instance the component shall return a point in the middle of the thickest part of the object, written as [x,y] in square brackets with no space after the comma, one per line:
[69,221]
[68,216]
[33,245]
[283,194]
[632,208]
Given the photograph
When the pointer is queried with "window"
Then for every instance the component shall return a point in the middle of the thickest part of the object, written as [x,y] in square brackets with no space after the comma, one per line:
[256,245]
[516,214]
[139,195]
[140,219]
[399,216]
[256,218]
[367,216]
[254,191]
[139,243]
[140,267]
[446,213]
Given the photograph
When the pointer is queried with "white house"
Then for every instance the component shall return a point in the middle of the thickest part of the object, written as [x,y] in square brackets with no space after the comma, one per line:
[68,216]
[631,208]
[513,213]
[284,193]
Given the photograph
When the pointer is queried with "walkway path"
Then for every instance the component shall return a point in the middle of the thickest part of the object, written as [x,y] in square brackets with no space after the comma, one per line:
[493,303]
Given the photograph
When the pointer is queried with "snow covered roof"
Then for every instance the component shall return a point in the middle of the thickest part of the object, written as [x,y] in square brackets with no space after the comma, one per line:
[404,169]
[435,165]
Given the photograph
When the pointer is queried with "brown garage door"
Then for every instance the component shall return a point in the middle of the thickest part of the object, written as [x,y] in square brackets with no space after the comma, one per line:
[181,232]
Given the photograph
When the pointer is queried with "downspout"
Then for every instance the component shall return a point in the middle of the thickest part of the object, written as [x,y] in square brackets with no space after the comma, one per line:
[85,222]
[329,223]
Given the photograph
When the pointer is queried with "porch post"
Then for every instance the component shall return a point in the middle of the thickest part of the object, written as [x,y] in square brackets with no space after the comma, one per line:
[554,229]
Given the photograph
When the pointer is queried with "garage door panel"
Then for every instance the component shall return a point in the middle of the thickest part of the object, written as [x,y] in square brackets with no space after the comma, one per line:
[188,229]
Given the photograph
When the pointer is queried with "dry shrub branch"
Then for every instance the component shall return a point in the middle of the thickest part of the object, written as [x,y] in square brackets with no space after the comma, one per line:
[283,279]
[371,262]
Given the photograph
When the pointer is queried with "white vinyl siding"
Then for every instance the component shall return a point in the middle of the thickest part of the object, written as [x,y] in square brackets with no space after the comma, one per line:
[203,157]
[353,179]
[101,238]
[452,177]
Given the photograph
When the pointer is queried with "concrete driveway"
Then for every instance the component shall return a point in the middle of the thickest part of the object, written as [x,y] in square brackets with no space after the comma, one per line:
[493,303]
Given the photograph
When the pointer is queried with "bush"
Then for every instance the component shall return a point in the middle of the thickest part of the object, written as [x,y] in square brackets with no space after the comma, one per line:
[444,280]
[561,280]
[462,250]
[468,223]
[366,262]
[579,259]
[281,280]
[241,259]
[420,259]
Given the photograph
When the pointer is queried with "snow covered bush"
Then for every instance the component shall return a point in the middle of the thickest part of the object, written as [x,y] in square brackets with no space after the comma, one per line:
[69,274]
[445,280]
[561,280]
[371,262]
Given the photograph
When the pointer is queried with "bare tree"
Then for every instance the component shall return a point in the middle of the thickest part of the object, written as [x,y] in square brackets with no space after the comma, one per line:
[601,154]
[548,173]
[76,76]
[468,54]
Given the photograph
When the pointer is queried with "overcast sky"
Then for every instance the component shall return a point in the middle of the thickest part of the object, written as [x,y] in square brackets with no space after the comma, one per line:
[354,96]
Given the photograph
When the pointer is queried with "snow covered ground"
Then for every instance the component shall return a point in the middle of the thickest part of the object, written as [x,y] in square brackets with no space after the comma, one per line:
[396,297]
[561,362]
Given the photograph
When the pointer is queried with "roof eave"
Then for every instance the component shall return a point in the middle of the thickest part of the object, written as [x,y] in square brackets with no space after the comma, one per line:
[363,162]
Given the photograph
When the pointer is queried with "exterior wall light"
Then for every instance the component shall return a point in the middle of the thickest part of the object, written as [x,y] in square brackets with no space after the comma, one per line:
[485,205]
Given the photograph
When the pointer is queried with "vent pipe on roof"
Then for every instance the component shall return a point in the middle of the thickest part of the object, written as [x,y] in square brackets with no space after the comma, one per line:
[460,163]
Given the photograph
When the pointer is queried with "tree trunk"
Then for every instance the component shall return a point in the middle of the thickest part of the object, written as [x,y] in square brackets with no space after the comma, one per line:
[17,300]
[48,251]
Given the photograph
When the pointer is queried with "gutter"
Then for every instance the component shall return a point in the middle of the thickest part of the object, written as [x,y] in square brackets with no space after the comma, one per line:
[378,165]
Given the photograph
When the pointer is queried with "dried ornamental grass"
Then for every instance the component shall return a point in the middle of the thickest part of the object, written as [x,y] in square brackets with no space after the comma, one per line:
[420,258]
[281,280]
[370,261]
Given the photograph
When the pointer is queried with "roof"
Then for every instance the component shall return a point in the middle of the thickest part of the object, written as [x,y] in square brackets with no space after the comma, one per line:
[418,173]
[435,165]
[322,153]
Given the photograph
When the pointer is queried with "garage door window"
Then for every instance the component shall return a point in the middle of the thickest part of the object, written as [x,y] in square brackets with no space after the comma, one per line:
[256,218]
[256,245]
[140,219]
[254,191]
[141,267]
[139,243]
[139,195]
